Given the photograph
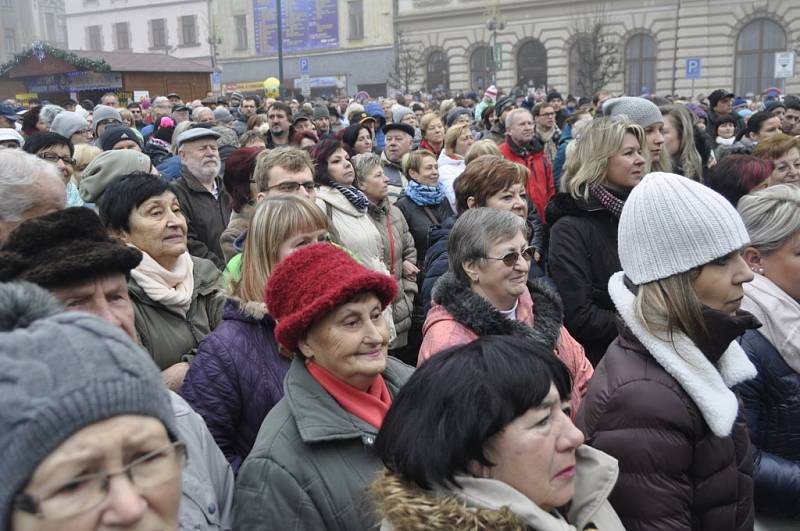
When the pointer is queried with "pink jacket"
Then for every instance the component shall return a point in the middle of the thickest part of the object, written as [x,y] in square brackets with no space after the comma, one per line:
[442,331]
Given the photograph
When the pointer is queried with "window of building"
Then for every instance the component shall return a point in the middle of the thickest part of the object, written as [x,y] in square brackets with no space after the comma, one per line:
[94,38]
[532,65]
[188,25]
[158,33]
[437,72]
[755,56]
[11,42]
[480,68]
[580,67]
[241,31]
[122,39]
[640,65]
[5,3]
[50,26]
[355,9]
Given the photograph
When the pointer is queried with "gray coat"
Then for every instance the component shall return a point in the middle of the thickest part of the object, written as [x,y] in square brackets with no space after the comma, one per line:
[312,461]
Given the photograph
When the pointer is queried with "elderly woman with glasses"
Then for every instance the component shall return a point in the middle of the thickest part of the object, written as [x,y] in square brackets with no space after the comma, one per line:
[784,152]
[486,291]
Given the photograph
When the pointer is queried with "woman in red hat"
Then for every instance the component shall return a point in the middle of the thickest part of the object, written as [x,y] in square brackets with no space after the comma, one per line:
[313,458]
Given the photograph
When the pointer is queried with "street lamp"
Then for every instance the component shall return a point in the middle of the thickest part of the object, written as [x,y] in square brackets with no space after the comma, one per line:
[494,25]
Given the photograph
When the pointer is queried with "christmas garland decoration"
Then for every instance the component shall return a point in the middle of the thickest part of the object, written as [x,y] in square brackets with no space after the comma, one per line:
[41,49]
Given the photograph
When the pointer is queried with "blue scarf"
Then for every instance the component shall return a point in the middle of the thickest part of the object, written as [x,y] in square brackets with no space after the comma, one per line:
[425,195]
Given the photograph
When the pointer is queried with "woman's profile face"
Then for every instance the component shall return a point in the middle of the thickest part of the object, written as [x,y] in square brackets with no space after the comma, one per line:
[626,167]
[672,137]
[339,168]
[363,142]
[464,142]
[787,168]
[720,284]
[375,185]
[768,129]
[654,139]
[782,267]
[535,453]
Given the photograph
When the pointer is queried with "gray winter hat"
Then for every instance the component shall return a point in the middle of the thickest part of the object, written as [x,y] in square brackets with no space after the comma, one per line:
[638,110]
[108,166]
[61,373]
[67,123]
[223,115]
[399,112]
[104,112]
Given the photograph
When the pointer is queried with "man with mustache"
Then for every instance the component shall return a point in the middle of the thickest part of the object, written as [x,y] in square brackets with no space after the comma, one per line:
[204,201]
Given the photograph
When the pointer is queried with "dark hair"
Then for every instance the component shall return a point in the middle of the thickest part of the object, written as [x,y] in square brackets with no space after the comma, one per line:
[254,99]
[320,154]
[239,170]
[735,175]
[792,102]
[754,124]
[125,194]
[453,404]
[30,119]
[349,135]
[280,106]
[135,105]
[39,141]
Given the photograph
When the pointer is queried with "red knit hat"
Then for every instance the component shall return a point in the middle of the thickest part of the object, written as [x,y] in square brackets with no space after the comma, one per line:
[313,281]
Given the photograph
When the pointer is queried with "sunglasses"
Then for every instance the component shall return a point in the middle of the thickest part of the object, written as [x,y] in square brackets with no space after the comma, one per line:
[511,259]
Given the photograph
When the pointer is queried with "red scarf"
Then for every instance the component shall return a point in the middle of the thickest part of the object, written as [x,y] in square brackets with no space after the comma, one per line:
[370,406]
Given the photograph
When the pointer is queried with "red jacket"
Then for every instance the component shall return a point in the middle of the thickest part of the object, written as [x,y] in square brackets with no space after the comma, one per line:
[540,185]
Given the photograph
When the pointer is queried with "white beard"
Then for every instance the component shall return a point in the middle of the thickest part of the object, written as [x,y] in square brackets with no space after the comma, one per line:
[204,173]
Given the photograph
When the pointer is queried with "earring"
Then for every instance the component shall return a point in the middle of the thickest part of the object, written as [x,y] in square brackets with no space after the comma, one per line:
[760,271]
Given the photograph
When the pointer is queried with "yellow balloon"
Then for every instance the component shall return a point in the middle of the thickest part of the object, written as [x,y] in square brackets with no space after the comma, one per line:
[272,87]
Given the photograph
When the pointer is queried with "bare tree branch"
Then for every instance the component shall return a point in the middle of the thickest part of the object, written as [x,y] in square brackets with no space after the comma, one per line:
[598,56]
[406,71]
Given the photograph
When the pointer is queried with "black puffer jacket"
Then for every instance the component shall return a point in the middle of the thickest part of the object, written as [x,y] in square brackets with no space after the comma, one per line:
[582,257]
[772,408]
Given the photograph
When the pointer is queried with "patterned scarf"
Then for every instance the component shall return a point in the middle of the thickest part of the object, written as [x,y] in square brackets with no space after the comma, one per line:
[354,195]
[425,195]
[612,203]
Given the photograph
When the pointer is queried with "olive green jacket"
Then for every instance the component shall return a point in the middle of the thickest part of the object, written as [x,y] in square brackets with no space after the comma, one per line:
[312,461]
[168,336]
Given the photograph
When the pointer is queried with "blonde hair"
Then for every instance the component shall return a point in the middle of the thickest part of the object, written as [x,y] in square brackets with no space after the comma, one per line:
[291,159]
[426,121]
[275,220]
[451,138]
[85,153]
[671,304]
[600,141]
[772,216]
[683,120]
[413,161]
[482,147]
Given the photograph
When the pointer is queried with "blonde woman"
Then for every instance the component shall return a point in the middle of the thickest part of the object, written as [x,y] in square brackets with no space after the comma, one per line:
[679,142]
[457,142]
[480,148]
[432,129]
[84,154]
[645,114]
[584,219]
[237,375]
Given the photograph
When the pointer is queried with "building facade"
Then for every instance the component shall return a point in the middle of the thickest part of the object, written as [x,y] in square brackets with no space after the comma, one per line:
[347,44]
[685,47]
[179,28]
[23,22]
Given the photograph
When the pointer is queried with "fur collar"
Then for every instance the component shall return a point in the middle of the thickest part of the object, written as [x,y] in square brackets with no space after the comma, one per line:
[477,314]
[706,384]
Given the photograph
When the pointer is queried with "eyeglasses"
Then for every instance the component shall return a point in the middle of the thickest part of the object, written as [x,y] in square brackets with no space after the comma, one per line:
[87,492]
[511,259]
[291,187]
[53,158]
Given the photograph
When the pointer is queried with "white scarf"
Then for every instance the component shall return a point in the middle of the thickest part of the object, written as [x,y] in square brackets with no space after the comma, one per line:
[726,141]
[780,315]
[173,288]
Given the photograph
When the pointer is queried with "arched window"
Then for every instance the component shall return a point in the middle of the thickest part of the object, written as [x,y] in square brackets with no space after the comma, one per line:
[580,67]
[437,76]
[532,65]
[755,56]
[640,65]
[480,70]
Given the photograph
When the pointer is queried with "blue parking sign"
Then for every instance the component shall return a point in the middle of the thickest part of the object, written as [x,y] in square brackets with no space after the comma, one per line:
[692,68]
[304,66]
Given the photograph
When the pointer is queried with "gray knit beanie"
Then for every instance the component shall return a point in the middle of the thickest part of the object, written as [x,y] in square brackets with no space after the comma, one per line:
[638,110]
[399,112]
[104,112]
[671,225]
[67,123]
[61,373]
[108,166]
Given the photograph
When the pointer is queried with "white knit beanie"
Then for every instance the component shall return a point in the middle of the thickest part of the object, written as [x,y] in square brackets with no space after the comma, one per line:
[671,224]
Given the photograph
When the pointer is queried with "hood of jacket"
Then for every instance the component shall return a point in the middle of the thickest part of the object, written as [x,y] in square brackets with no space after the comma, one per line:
[476,313]
[247,311]
[480,503]
[563,204]
[375,110]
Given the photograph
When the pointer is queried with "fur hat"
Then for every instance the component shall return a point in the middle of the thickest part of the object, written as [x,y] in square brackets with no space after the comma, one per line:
[62,248]
[312,282]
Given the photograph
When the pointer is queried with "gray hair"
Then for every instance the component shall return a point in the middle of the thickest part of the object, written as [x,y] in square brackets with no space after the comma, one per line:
[180,128]
[21,172]
[772,216]
[197,111]
[513,113]
[364,163]
[49,113]
[476,231]
[159,100]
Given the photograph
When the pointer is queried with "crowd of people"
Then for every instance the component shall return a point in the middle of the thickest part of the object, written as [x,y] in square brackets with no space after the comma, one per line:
[487,312]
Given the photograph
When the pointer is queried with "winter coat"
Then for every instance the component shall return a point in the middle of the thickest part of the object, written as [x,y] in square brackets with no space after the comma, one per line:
[312,461]
[561,155]
[237,226]
[540,185]
[582,257]
[237,377]
[206,216]
[170,168]
[375,110]
[488,504]
[168,336]
[772,409]
[449,170]
[397,179]
[420,221]
[157,150]
[665,411]
[398,246]
[207,479]
[460,316]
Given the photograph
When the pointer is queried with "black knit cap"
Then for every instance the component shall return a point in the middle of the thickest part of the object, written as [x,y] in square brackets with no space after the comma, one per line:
[39,141]
[62,248]
[116,133]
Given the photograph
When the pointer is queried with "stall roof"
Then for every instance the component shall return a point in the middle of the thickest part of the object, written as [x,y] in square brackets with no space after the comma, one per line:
[144,62]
